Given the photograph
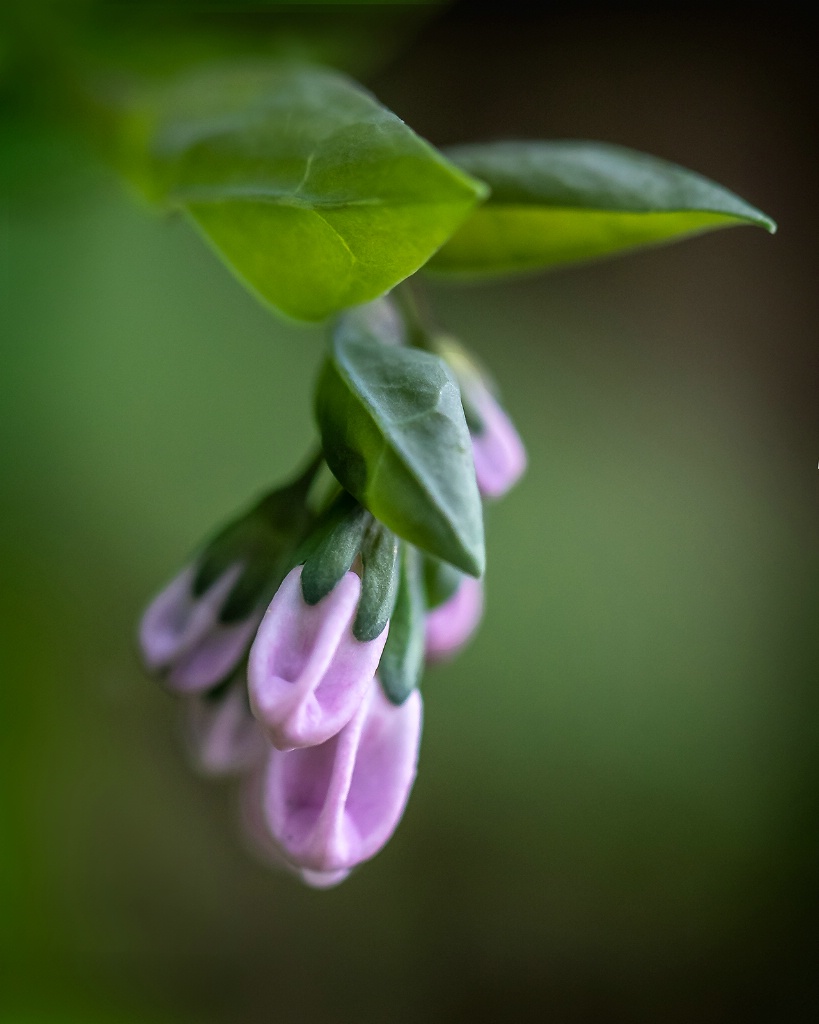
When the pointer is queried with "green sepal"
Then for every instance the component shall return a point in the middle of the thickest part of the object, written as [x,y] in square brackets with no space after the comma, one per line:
[379,582]
[335,552]
[441,580]
[394,434]
[403,659]
[556,203]
[262,542]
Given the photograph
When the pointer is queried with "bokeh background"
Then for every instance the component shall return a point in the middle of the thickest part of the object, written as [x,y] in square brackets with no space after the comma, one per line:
[617,811]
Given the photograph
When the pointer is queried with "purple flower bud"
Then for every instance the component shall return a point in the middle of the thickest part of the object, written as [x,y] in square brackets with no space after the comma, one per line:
[307,674]
[181,636]
[451,624]
[333,806]
[262,844]
[223,737]
[497,449]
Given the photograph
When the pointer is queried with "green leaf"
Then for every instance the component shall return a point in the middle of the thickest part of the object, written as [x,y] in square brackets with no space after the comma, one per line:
[379,582]
[394,434]
[313,193]
[560,202]
[403,659]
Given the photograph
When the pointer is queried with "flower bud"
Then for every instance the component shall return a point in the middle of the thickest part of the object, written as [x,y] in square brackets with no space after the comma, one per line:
[181,636]
[307,674]
[262,844]
[198,629]
[330,807]
[452,623]
[498,452]
[223,736]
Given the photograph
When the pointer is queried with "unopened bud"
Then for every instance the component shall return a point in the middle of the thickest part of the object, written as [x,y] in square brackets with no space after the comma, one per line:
[332,806]
[307,673]
[182,638]
[223,736]
[497,450]
[261,843]
[450,626]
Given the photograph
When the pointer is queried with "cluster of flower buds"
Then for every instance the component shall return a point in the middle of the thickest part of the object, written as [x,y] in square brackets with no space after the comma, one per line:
[298,635]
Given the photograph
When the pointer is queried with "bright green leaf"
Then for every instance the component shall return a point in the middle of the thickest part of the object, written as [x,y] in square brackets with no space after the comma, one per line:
[560,202]
[315,195]
[394,434]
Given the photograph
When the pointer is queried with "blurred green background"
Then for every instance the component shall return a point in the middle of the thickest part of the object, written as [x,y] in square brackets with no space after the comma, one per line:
[617,815]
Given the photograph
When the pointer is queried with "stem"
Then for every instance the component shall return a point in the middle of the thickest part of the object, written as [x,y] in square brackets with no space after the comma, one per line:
[410,307]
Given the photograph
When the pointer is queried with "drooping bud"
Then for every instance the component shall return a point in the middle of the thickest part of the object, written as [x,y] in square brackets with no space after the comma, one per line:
[198,629]
[332,806]
[452,623]
[497,450]
[181,635]
[223,736]
[500,458]
[307,673]
[261,843]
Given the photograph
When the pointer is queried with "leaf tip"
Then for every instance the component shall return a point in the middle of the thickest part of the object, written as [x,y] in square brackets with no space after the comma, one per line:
[472,561]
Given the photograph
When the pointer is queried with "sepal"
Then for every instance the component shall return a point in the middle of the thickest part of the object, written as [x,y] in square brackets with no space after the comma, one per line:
[338,542]
[262,541]
[380,570]
[403,660]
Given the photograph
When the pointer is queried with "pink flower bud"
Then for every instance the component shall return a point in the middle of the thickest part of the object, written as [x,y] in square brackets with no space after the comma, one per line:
[181,636]
[333,806]
[307,674]
[497,449]
[451,624]
[262,844]
[223,737]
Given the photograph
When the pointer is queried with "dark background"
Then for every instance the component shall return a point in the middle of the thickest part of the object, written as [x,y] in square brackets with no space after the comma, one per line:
[616,815]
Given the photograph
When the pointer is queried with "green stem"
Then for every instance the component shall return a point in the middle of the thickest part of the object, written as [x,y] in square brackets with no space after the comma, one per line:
[413,309]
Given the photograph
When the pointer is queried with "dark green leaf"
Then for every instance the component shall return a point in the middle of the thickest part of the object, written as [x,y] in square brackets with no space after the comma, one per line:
[561,202]
[379,583]
[394,434]
[403,659]
[315,195]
